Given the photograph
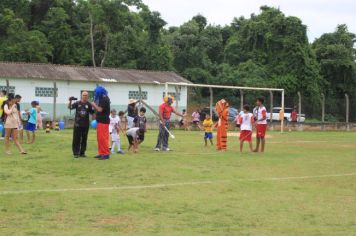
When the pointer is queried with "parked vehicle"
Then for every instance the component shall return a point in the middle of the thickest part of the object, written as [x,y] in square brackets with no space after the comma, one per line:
[232,114]
[287,115]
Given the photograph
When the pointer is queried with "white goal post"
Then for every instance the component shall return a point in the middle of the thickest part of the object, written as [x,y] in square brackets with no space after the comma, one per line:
[229,87]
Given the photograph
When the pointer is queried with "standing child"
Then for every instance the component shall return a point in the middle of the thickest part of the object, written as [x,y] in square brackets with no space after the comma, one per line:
[140,122]
[39,117]
[261,126]
[123,120]
[31,123]
[133,136]
[208,128]
[114,130]
[246,120]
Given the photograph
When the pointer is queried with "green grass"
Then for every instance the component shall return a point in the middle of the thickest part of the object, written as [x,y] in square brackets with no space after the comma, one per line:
[243,200]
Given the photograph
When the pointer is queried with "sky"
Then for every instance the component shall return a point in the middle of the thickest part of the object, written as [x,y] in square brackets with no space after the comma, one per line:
[321,16]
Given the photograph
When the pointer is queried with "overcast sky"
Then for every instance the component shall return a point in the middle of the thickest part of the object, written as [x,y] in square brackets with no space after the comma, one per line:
[320,16]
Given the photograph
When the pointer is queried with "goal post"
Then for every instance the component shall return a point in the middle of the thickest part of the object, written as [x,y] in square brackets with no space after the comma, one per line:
[241,89]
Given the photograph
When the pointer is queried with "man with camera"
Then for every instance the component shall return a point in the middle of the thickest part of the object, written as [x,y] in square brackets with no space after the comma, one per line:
[81,123]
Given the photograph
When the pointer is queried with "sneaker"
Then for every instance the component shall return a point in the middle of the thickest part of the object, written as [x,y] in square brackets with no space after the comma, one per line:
[103,158]
[157,149]
[97,157]
[167,150]
[83,155]
[76,156]
[121,152]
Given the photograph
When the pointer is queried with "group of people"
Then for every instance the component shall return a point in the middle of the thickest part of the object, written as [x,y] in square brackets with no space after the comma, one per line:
[246,120]
[109,124]
[14,123]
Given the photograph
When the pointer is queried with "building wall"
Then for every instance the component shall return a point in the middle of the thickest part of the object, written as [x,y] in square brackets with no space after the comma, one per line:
[118,93]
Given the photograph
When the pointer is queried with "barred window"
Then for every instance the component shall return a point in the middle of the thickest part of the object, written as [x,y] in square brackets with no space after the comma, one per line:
[175,95]
[11,89]
[136,95]
[45,92]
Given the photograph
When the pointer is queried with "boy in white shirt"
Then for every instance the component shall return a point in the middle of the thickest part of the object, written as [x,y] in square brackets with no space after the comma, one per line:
[261,124]
[133,136]
[246,120]
[114,130]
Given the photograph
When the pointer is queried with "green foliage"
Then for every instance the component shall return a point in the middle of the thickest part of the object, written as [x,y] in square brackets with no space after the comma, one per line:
[265,50]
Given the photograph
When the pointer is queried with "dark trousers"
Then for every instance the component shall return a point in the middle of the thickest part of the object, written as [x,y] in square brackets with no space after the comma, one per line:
[80,137]
[163,136]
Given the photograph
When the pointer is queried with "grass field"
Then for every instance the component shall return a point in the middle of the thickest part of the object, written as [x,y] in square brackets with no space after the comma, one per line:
[304,185]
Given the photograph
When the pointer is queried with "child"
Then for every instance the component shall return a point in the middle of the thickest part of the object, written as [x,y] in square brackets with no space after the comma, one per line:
[140,122]
[208,128]
[31,123]
[261,126]
[133,136]
[123,121]
[183,121]
[114,130]
[246,120]
[39,117]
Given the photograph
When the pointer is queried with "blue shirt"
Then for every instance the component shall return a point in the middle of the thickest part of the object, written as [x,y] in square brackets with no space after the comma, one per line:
[33,116]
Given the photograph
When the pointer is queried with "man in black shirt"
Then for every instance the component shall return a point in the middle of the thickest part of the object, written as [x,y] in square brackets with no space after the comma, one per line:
[102,108]
[83,109]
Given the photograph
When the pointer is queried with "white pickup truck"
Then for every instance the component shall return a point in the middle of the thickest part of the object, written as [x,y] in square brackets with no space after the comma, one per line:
[287,115]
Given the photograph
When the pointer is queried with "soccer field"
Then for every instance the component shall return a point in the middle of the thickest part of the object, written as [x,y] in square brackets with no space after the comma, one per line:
[305,184]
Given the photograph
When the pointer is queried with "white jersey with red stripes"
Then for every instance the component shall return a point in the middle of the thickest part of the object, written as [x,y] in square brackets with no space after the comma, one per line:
[246,121]
[261,115]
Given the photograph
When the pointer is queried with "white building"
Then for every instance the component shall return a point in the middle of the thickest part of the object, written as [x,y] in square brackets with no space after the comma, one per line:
[38,81]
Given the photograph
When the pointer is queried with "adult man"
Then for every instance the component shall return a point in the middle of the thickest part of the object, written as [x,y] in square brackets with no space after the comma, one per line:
[261,124]
[3,98]
[101,105]
[165,111]
[81,124]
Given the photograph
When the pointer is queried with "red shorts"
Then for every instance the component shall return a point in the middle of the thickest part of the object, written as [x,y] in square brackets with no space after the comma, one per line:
[246,135]
[261,130]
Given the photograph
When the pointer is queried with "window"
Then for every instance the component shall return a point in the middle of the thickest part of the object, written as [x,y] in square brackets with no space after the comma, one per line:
[175,95]
[11,89]
[136,95]
[45,92]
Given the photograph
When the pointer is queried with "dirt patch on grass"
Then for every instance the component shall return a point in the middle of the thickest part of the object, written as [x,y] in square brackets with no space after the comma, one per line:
[125,221]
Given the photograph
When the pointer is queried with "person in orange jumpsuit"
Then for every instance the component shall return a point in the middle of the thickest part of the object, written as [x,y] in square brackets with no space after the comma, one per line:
[222,108]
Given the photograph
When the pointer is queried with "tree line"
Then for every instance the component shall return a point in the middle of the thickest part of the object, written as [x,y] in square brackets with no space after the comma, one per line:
[267,49]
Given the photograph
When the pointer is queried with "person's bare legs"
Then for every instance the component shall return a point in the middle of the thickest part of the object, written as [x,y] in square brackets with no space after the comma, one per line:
[258,140]
[20,136]
[206,142]
[241,145]
[7,140]
[211,141]
[14,136]
[28,136]
[33,137]
[250,144]
[263,141]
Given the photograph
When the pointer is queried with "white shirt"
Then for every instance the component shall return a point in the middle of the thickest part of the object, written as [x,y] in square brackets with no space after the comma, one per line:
[114,121]
[246,121]
[260,112]
[132,132]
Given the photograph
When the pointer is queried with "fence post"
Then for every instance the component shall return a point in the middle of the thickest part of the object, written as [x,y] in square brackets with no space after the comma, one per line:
[211,102]
[177,95]
[241,100]
[7,86]
[54,102]
[300,126]
[271,110]
[282,106]
[347,111]
[322,111]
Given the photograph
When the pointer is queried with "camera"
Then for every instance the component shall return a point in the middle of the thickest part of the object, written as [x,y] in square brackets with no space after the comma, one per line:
[73,99]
